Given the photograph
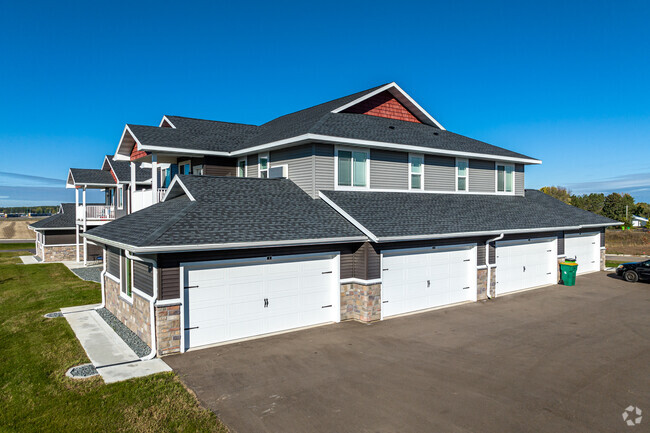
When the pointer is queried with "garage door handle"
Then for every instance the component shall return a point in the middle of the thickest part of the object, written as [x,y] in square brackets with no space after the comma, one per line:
[428,283]
[266,302]
[191,287]
[326,306]
[466,260]
[385,269]
[383,302]
[465,288]
[327,272]
[524,268]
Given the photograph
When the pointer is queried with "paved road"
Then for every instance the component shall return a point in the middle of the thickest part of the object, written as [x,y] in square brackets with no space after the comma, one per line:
[16,241]
[626,258]
[555,359]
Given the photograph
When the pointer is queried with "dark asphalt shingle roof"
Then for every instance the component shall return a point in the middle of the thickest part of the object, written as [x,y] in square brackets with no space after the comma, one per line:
[84,176]
[198,134]
[122,170]
[389,214]
[230,210]
[64,219]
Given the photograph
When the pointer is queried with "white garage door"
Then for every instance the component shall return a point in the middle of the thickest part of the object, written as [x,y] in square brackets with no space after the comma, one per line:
[229,301]
[524,264]
[585,247]
[417,279]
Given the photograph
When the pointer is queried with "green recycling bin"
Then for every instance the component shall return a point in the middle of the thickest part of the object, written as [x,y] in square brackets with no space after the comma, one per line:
[569,270]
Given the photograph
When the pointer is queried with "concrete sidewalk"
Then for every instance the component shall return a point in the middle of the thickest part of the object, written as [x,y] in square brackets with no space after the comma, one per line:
[111,356]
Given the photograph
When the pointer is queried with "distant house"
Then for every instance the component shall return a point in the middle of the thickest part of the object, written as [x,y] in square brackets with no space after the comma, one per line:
[638,221]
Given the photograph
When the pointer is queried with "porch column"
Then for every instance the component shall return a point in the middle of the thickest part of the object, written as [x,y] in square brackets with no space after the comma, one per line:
[85,224]
[76,223]
[132,187]
[154,177]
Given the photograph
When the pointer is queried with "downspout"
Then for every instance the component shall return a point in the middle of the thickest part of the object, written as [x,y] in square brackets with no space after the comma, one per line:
[102,277]
[487,264]
[154,299]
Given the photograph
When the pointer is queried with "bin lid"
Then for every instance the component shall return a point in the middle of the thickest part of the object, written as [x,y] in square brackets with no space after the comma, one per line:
[569,263]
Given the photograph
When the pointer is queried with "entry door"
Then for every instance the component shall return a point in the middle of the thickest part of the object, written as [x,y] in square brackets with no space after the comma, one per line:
[585,247]
[527,263]
[233,301]
[419,279]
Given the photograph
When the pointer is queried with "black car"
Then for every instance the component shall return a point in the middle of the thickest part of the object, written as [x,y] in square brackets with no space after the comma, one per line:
[635,271]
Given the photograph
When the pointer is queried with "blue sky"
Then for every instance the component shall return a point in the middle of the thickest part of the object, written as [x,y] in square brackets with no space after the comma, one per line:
[565,82]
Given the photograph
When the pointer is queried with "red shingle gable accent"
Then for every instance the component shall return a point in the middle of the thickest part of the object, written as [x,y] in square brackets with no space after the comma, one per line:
[383,105]
[137,154]
[113,174]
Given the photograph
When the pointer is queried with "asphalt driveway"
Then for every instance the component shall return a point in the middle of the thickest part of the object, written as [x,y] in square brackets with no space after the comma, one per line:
[553,359]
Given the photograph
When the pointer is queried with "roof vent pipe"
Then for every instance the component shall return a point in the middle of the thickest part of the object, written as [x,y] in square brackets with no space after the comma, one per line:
[487,264]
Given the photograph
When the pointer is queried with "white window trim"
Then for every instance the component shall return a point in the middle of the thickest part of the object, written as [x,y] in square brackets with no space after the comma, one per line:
[496,178]
[259,164]
[123,295]
[421,173]
[456,176]
[120,197]
[186,162]
[245,166]
[198,167]
[336,169]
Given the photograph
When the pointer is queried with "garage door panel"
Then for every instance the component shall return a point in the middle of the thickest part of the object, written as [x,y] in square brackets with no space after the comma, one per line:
[229,302]
[427,278]
[524,264]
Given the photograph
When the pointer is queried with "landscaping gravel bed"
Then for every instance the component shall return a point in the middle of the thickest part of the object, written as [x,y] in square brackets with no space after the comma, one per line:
[81,371]
[89,273]
[130,338]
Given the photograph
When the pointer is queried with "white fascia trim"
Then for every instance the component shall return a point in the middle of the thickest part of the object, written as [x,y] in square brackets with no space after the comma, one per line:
[360,281]
[169,302]
[348,217]
[491,232]
[380,145]
[179,150]
[70,175]
[174,181]
[50,228]
[227,246]
[166,119]
[117,156]
[389,86]
[56,245]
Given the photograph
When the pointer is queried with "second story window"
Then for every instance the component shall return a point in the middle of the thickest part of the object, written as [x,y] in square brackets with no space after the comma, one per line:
[264,165]
[461,174]
[241,167]
[120,197]
[416,168]
[352,167]
[184,167]
[505,178]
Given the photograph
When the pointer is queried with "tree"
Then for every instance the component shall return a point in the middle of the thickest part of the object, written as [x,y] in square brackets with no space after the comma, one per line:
[614,206]
[592,202]
[558,192]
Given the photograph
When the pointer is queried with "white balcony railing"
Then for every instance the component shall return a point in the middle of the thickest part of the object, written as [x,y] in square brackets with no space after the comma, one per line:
[161,194]
[96,213]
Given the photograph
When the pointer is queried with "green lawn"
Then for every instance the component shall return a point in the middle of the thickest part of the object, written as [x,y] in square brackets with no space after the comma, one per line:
[11,258]
[25,246]
[35,352]
[612,264]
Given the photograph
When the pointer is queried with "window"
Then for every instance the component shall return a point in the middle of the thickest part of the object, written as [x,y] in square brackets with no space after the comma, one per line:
[462,167]
[126,279]
[505,178]
[279,171]
[120,197]
[264,165]
[241,167]
[352,167]
[416,169]
[197,170]
[184,167]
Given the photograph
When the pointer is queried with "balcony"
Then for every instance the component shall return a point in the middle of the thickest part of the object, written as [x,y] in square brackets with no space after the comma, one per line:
[96,213]
[144,198]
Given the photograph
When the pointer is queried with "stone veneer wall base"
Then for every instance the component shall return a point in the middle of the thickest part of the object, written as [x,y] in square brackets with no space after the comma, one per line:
[59,253]
[168,329]
[361,302]
[135,315]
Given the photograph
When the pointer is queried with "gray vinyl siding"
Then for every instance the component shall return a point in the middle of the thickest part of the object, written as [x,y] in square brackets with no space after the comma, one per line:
[481,176]
[388,169]
[59,237]
[439,173]
[299,160]
[113,262]
[519,179]
[602,237]
[251,166]
[323,167]
[143,277]
[560,243]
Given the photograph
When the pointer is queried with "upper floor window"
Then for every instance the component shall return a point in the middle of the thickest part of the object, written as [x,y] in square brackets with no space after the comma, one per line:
[197,170]
[264,165]
[120,197]
[505,178]
[184,167]
[352,167]
[462,167]
[241,167]
[416,169]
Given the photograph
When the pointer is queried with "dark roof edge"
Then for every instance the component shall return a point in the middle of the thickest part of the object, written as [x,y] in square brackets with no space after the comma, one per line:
[229,246]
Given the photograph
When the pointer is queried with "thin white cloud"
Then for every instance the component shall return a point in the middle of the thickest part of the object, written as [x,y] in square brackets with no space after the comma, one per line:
[632,182]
